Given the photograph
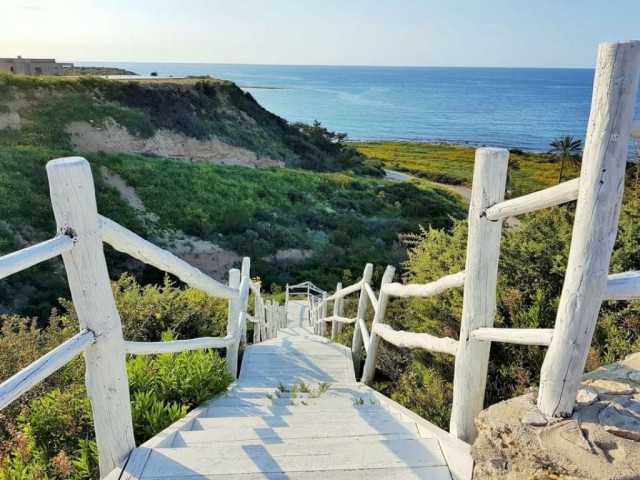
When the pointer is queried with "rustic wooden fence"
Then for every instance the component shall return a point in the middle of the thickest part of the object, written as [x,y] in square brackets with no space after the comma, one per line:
[598,192]
[81,232]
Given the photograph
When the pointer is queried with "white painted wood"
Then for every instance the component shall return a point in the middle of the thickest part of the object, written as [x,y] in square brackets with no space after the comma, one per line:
[27,378]
[595,226]
[356,342]
[403,339]
[366,338]
[232,323]
[479,301]
[374,340]
[623,286]
[549,197]
[74,207]
[425,290]
[521,336]
[635,129]
[128,242]
[294,456]
[175,346]
[336,311]
[243,301]
[323,313]
[245,271]
[343,292]
[338,319]
[372,296]
[27,257]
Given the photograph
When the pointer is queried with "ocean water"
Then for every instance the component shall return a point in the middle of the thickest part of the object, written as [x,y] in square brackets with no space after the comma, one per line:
[506,107]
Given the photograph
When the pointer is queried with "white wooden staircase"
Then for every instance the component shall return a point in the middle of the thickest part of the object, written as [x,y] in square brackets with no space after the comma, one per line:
[297,412]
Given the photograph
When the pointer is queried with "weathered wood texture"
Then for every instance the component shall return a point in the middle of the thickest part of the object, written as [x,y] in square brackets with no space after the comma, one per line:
[521,336]
[74,207]
[425,290]
[232,323]
[27,257]
[343,292]
[479,300]
[27,378]
[149,348]
[595,226]
[403,339]
[369,369]
[128,242]
[549,197]
[356,343]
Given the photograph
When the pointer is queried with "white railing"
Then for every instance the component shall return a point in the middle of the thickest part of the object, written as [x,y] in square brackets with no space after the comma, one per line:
[598,192]
[82,232]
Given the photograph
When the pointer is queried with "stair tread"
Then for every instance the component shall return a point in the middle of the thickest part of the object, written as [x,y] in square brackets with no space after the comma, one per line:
[340,454]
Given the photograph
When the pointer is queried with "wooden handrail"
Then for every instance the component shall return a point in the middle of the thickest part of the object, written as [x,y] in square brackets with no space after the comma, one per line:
[403,339]
[372,296]
[27,378]
[27,257]
[128,242]
[343,292]
[549,197]
[425,290]
[521,336]
[176,346]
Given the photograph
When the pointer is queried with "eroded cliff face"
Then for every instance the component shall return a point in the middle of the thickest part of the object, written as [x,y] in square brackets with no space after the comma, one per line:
[600,441]
[111,137]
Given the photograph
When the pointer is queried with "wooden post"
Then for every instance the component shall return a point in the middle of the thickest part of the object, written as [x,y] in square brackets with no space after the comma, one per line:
[595,227]
[336,312]
[356,344]
[286,301]
[479,300]
[74,206]
[323,314]
[374,340]
[245,272]
[232,323]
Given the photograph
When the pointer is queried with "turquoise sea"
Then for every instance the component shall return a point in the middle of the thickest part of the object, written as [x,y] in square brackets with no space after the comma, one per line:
[508,107]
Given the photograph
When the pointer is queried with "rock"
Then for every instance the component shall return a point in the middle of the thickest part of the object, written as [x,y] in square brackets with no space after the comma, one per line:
[621,421]
[632,361]
[534,418]
[496,463]
[587,396]
[634,376]
[610,387]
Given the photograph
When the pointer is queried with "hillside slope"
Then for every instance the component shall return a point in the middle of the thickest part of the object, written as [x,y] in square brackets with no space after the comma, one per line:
[200,118]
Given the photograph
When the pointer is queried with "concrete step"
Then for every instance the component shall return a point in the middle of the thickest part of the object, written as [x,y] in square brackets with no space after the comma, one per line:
[293,456]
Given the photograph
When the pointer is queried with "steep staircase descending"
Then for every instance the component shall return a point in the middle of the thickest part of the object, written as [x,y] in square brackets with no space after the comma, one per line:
[297,412]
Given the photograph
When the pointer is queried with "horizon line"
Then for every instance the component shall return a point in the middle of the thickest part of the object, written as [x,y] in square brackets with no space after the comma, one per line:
[332,65]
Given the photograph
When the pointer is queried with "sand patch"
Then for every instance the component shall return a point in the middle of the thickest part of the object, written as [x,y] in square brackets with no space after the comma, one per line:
[111,137]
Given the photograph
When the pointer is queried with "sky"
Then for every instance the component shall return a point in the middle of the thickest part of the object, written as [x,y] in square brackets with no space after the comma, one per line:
[510,33]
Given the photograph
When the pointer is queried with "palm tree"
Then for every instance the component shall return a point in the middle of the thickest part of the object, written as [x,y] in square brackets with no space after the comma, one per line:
[566,149]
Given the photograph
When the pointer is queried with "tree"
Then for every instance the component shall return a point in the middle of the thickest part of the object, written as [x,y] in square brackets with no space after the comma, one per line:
[566,149]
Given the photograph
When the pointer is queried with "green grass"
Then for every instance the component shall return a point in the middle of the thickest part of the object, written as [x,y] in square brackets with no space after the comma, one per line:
[345,220]
[453,164]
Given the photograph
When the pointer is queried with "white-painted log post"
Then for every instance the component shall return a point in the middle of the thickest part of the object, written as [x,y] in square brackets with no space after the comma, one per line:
[374,340]
[286,300]
[232,323]
[245,272]
[323,314]
[356,344]
[336,312]
[479,300]
[74,206]
[596,224]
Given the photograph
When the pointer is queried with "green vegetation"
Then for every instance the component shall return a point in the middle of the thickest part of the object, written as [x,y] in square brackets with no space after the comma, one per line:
[567,150]
[453,164]
[76,71]
[343,220]
[201,108]
[48,433]
[531,272]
